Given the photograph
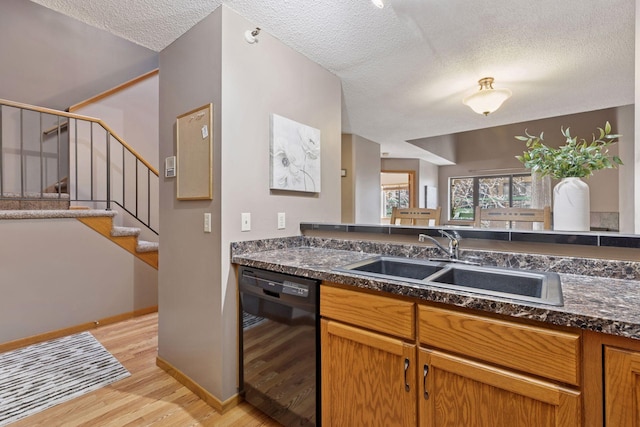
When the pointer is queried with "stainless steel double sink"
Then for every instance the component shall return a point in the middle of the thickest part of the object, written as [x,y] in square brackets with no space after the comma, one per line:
[524,285]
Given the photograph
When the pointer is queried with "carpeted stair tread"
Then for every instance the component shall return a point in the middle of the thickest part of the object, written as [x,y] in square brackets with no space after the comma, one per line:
[35,195]
[125,231]
[144,246]
[47,213]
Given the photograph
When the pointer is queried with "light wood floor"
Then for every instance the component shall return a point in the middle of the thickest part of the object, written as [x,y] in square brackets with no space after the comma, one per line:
[149,397]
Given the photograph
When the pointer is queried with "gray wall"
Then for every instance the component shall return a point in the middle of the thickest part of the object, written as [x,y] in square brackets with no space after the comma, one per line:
[348,199]
[428,178]
[492,151]
[426,174]
[361,186]
[132,113]
[48,282]
[189,326]
[246,83]
[367,180]
[443,146]
[625,119]
[636,145]
[55,61]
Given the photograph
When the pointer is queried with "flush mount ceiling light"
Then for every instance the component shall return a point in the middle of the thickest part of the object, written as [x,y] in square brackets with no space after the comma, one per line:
[250,36]
[378,3]
[487,99]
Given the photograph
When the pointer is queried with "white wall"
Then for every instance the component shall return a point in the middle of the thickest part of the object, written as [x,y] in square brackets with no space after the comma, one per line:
[58,273]
[246,83]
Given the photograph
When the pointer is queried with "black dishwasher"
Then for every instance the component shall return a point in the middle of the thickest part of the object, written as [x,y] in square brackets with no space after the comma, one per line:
[279,345]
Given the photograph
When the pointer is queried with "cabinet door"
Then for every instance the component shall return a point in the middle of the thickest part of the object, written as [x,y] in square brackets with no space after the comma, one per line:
[368,379]
[622,387]
[458,392]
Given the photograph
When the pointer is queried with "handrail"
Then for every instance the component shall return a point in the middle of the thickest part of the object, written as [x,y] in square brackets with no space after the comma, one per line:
[53,129]
[117,168]
[46,110]
[114,90]
[51,111]
[128,147]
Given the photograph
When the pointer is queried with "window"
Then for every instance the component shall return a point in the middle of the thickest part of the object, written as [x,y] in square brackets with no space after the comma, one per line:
[487,192]
[394,196]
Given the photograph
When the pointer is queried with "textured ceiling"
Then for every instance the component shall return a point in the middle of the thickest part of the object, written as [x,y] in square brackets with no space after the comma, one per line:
[406,68]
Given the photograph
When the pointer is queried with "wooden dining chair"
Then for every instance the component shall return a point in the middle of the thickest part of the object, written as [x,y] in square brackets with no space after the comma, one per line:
[415,216]
[517,215]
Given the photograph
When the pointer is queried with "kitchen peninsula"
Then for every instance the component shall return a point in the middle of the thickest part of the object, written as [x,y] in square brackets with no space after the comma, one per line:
[549,360]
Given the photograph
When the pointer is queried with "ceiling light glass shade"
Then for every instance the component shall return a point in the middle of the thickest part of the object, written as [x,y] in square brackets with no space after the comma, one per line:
[378,3]
[487,99]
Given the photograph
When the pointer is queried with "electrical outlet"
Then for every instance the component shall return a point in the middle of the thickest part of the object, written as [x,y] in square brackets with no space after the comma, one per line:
[246,221]
[281,221]
[207,222]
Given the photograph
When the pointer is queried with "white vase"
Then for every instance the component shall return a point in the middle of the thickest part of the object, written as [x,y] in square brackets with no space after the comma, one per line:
[571,205]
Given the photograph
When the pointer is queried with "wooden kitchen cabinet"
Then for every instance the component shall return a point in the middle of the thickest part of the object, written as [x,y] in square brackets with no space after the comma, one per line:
[387,361]
[487,372]
[621,387]
[368,379]
[368,359]
[455,391]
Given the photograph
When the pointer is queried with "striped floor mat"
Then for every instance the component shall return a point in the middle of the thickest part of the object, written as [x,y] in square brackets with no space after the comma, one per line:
[42,375]
[249,320]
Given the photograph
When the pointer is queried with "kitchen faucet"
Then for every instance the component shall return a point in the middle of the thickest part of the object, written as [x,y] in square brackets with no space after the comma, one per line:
[454,243]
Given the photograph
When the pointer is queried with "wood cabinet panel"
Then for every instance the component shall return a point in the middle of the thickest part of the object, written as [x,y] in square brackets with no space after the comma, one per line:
[367,379]
[539,351]
[458,392]
[383,314]
[622,387]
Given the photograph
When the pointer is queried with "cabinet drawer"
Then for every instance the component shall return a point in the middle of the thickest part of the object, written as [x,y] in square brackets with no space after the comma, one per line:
[382,314]
[539,351]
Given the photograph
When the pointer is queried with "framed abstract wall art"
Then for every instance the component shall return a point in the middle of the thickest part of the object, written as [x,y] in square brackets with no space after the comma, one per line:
[294,156]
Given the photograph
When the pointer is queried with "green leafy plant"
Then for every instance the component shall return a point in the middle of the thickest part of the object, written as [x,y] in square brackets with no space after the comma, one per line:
[577,158]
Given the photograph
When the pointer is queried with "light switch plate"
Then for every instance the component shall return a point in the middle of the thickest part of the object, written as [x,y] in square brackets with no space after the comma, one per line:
[281,221]
[246,221]
[207,222]
[170,167]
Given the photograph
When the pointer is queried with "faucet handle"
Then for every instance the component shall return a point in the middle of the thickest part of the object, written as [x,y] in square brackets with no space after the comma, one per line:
[452,235]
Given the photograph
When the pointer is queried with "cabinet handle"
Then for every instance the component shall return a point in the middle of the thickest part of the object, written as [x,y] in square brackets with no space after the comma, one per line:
[406,368]
[425,372]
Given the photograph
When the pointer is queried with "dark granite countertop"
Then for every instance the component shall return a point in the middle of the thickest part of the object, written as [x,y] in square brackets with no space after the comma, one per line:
[594,302]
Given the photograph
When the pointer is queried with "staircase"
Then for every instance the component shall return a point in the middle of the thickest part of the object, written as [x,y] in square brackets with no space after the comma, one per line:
[102,171]
[97,219]
[125,237]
